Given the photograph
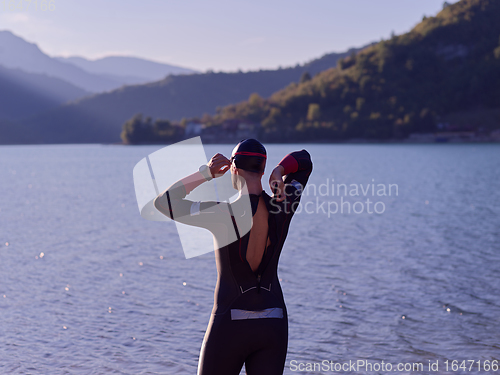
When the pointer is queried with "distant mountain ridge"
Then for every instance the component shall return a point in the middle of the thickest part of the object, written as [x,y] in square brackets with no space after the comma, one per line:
[129,70]
[99,118]
[97,76]
[16,53]
[26,94]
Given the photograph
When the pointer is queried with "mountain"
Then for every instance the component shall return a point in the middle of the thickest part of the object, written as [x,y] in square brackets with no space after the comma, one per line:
[26,94]
[127,70]
[329,60]
[16,53]
[443,74]
[99,118]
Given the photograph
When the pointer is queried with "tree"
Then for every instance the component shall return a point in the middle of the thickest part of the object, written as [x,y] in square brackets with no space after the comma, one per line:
[136,131]
[305,77]
[255,100]
[313,112]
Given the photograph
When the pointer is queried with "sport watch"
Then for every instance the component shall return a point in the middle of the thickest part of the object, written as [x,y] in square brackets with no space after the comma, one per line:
[205,171]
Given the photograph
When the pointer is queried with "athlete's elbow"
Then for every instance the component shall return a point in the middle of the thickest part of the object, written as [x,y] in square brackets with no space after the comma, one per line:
[161,205]
[306,161]
[157,203]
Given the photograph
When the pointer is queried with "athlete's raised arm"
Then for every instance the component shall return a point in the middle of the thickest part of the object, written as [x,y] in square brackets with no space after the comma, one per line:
[172,202]
[295,168]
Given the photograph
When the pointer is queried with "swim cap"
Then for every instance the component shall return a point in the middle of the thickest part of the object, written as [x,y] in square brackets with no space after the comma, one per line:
[250,155]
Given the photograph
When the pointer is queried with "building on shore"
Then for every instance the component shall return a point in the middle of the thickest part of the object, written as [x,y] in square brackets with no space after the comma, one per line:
[194,128]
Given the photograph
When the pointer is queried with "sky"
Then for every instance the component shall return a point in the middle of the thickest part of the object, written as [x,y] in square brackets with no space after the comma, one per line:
[218,35]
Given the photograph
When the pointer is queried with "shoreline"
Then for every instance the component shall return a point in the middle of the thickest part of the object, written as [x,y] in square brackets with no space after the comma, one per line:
[353,141]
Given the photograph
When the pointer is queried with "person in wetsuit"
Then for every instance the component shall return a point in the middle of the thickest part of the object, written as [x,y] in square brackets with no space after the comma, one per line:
[248,324]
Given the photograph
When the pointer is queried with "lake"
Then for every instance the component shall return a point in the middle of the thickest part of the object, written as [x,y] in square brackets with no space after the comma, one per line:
[89,287]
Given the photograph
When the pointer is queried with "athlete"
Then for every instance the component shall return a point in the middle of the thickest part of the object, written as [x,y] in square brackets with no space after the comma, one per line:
[249,322]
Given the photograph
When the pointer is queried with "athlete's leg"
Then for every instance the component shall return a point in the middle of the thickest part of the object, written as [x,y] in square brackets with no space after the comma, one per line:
[270,358]
[221,352]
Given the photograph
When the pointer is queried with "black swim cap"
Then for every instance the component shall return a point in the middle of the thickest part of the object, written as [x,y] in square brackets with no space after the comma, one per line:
[250,155]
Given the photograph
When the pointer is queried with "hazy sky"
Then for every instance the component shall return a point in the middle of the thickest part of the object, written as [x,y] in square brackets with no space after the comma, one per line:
[222,35]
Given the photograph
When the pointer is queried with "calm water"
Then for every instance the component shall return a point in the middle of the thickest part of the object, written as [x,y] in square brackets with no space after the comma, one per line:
[89,287]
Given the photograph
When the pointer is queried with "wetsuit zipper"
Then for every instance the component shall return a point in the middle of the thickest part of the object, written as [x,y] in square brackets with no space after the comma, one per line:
[261,266]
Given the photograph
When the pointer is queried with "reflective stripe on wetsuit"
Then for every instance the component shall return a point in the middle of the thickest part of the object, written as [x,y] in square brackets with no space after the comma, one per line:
[267,313]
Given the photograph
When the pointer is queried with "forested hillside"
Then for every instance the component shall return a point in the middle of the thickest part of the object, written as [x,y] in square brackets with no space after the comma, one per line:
[99,118]
[447,67]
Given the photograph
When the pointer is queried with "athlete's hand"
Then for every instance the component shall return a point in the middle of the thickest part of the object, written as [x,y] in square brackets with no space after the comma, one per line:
[218,165]
[276,183]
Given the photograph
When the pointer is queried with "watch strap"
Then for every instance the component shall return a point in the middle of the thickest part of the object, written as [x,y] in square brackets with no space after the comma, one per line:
[205,171]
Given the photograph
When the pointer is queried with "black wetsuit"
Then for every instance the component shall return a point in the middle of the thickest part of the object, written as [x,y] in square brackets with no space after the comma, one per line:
[249,319]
